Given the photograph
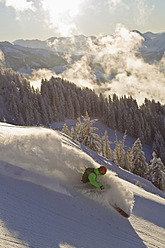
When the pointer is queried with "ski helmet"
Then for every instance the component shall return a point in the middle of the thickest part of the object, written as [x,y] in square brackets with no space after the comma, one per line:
[102,170]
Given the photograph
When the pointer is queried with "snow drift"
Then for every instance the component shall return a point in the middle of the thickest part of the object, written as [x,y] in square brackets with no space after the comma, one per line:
[51,159]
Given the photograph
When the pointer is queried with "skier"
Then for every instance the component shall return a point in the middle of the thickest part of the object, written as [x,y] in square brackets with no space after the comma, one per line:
[92,175]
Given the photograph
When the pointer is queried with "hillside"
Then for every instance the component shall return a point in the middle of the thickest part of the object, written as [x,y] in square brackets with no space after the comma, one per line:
[62,55]
[25,60]
[125,63]
[58,99]
[152,47]
[40,172]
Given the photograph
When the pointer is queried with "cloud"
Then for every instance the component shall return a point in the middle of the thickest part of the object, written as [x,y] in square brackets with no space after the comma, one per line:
[140,80]
[56,15]
[109,52]
[19,5]
[124,73]
[111,58]
[115,4]
[37,75]
[132,75]
[81,73]
[61,16]
[143,11]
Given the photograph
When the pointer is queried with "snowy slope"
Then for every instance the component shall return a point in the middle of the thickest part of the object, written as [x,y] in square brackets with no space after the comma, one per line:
[40,170]
[111,134]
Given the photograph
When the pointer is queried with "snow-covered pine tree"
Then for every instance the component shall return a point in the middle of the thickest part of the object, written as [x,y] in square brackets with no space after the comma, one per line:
[107,152]
[50,114]
[65,129]
[111,117]
[157,172]
[119,152]
[120,120]
[43,111]
[85,134]
[37,117]
[61,107]
[15,109]
[2,116]
[76,104]
[79,130]
[139,165]
[130,123]
[70,113]
[72,133]
[159,145]
[128,159]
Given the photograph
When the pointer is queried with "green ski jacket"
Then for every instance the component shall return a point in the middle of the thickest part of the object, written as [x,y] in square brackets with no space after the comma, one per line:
[93,177]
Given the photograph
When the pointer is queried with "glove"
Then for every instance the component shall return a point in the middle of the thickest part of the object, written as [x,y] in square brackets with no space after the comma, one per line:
[101,187]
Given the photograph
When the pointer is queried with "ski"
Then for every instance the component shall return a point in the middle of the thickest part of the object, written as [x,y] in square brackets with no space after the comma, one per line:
[120,211]
[90,189]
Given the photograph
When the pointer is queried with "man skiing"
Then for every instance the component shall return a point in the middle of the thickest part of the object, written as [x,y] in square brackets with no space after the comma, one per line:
[92,175]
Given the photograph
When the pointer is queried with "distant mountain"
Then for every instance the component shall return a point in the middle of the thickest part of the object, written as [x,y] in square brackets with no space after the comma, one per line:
[153,46]
[76,45]
[25,59]
[59,53]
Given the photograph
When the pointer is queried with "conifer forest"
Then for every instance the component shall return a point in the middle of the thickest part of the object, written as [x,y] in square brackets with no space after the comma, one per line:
[57,99]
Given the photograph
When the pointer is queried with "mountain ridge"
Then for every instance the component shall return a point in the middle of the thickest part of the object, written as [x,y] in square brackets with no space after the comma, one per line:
[127,63]
[152,49]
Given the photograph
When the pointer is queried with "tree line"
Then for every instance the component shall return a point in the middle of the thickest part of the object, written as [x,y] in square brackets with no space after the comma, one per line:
[131,159]
[59,99]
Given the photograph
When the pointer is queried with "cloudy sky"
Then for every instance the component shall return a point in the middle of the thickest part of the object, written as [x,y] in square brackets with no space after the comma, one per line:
[41,19]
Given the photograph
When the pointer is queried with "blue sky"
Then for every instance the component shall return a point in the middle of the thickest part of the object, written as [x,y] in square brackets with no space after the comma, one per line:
[41,19]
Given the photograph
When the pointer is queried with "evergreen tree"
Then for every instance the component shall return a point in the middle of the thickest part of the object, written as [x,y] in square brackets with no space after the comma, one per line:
[139,165]
[21,104]
[15,110]
[37,117]
[107,152]
[128,159]
[111,117]
[69,106]
[102,146]
[85,134]
[159,145]
[65,130]
[157,172]
[62,106]
[76,104]
[130,124]
[50,114]
[120,120]
[72,133]
[43,112]
[79,130]
[119,152]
